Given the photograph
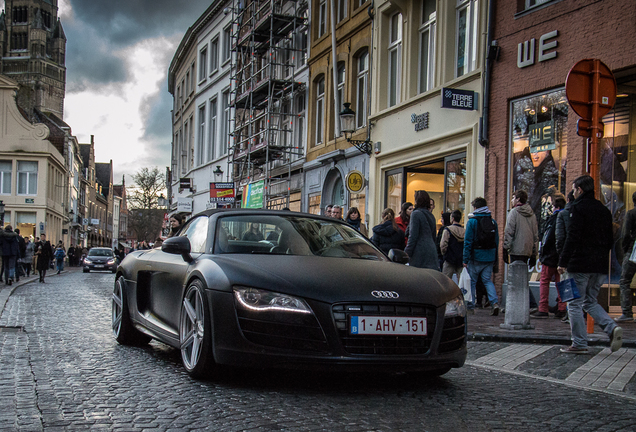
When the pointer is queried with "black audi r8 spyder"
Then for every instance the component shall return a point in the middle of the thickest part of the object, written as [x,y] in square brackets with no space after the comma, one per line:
[267,288]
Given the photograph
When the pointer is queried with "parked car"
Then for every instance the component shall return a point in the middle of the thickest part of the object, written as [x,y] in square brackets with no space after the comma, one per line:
[319,296]
[99,258]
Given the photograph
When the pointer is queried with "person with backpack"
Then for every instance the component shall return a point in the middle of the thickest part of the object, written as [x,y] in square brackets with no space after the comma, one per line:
[549,258]
[59,255]
[480,252]
[452,246]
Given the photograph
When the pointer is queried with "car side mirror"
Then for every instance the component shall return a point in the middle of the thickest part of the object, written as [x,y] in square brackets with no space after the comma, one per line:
[398,256]
[178,246]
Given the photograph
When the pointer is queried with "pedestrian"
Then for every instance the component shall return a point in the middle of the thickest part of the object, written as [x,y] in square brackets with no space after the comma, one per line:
[562,225]
[446,221]
[336,212]
[521,235]
[59,255]
[253,234]
[404,217]
[481,241]
[388,235]
[354,218]
[549,258]
[452,246]
[71,256]
[44,254]
[628,268]
[176,222]
[10,252]
[28,256]
[585,257]
[328,210]
[21,250]
[420,246]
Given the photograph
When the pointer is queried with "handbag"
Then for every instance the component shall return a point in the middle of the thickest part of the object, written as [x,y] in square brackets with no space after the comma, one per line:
[464,286]
[568,290]
[632,256]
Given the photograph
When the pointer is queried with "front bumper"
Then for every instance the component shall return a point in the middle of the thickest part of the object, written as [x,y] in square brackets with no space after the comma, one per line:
[100,266]
[245,341]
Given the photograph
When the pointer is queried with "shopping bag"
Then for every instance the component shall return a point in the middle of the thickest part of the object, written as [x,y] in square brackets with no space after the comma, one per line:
[464,286]
[632,256]
[568,290]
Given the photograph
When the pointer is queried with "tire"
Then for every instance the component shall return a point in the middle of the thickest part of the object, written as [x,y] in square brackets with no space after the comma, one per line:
[86,271]
[195,332]
[123,330]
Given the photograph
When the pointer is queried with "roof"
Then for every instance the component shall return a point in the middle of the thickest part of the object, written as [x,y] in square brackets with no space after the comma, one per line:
[103,172]
[85,153]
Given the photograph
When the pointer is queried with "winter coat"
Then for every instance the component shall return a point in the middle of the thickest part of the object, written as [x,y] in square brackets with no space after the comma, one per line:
[629,231]
[590,236]
[549,255]
[400,223]
[562,225]
[10,245]
[420,246]
[45,254]
[457,232]
[522,233]
[28,253]
[385,237]
[480,255]
[359,226]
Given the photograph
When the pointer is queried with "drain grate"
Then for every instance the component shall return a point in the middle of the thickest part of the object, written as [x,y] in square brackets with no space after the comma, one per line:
[11,329]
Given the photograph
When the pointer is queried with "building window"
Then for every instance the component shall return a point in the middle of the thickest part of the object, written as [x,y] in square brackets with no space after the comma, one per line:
[192,77]
[322,17]
[538,150]
[314,204]
[227,44]
[297,152]
[201,143]
[427,46]
[212,129]
[467,37]
[530,4]
[226,122]
[214,55]
[342,10]
[361,89]
[203,64]
[187,83]
[395,58]
[341,84]
[5,177]
[28,178]
[320,110]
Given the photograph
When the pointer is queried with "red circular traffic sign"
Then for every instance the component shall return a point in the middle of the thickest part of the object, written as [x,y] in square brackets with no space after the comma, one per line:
[579,88]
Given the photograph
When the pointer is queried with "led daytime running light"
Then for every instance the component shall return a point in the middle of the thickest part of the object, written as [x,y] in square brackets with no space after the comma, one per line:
[289,303]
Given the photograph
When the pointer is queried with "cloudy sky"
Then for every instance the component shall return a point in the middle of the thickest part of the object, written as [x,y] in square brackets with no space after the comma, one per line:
[117,58]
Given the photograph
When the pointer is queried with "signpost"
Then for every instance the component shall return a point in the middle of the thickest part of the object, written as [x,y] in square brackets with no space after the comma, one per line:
[591,91]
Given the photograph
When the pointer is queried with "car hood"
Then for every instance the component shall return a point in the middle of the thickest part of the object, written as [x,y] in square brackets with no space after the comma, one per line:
[336,279]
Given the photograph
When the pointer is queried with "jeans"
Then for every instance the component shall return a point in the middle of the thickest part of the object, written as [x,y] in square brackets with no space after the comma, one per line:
[547,274]
[60,264]
[8,263]
[588,285]
[629,270]
[477,269]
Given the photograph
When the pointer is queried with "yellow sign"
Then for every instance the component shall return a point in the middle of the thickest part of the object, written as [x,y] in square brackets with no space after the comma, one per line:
[355,181]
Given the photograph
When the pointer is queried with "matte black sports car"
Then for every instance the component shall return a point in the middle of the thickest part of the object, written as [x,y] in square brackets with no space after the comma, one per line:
[283,289]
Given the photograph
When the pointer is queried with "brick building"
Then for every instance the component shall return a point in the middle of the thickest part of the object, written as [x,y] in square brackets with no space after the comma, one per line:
[536,43]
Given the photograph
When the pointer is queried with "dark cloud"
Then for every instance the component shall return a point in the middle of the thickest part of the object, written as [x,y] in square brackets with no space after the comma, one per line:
[155,114]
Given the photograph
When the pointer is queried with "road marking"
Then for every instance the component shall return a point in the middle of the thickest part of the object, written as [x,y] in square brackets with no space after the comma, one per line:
[611,370]
[512,356]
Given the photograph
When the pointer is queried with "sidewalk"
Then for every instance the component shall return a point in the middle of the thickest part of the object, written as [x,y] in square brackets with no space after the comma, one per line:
[483,327]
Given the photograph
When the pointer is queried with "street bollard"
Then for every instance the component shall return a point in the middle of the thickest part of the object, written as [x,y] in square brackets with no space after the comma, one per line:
[517,298]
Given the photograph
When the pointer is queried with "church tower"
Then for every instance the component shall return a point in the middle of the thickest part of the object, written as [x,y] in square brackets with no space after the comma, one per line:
[33,53]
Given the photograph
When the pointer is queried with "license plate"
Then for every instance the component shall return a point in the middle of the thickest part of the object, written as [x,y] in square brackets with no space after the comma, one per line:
[99,265]
[383,325]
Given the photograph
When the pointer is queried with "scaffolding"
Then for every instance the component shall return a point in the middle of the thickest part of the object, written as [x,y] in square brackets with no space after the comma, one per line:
[269,39]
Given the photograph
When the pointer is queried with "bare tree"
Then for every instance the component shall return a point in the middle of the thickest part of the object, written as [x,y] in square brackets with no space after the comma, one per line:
[145,216]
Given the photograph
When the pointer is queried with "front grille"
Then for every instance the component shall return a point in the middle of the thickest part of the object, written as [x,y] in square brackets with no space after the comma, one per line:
[453,335]
[383,345]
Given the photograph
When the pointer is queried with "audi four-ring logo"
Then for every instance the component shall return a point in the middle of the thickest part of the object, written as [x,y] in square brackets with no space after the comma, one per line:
[385,294]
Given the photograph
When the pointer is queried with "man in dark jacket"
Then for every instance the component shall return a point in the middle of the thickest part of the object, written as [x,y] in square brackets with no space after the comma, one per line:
[585,257]
[10,252]
[21,252]
[629,268]
[549,258]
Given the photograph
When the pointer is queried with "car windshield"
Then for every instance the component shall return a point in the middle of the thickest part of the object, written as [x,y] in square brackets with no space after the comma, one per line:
[100,252]
[291,235]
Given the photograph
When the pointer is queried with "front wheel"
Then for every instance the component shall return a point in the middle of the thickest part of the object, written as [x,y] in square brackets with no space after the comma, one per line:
[123,330]
[195,332]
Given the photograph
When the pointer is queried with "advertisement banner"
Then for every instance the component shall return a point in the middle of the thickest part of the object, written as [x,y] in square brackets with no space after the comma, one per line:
[253,195]
[222,193]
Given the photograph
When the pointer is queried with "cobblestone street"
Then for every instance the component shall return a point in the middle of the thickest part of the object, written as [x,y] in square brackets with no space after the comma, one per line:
[65,371]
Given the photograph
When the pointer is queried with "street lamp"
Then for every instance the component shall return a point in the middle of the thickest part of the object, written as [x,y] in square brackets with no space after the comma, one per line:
[162,201]
[1,214]
[218,173]
[348,126]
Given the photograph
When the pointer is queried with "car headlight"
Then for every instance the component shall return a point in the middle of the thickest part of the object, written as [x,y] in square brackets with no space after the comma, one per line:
[111,261]
[259,300]
[87,261]
[455,307]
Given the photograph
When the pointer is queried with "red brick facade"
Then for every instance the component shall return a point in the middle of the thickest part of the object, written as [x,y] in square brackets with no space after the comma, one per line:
[586,29]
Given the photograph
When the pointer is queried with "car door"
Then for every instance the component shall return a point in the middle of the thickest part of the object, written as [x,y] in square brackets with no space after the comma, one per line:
[169,272]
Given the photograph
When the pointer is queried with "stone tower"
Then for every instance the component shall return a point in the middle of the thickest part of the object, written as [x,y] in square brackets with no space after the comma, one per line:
[33,51]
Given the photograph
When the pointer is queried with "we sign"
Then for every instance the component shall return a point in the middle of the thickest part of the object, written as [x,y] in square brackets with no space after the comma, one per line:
[525,50]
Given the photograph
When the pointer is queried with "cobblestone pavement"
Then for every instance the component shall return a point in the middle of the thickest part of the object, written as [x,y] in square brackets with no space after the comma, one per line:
[65,371]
